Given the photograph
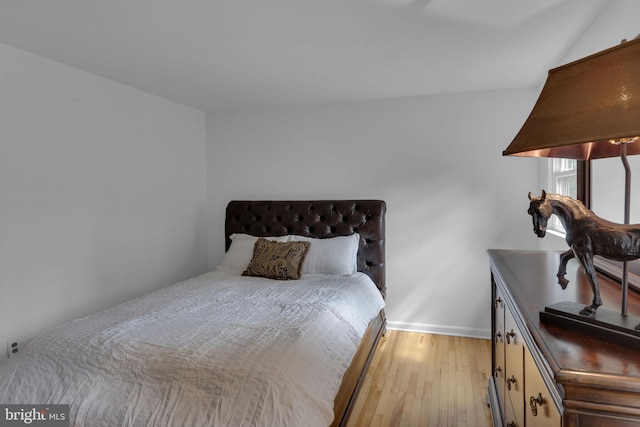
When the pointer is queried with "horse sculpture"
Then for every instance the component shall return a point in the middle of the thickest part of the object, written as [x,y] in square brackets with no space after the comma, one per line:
[587,235]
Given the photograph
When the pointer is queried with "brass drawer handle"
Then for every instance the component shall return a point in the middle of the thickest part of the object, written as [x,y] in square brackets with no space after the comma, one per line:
[509,336]
[511,380]
[534,402]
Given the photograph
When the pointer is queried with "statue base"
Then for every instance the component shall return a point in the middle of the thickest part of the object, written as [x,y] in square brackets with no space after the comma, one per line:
[606,324]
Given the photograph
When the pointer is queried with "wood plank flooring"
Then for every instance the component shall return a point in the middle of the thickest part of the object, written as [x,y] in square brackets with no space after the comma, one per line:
[419,380]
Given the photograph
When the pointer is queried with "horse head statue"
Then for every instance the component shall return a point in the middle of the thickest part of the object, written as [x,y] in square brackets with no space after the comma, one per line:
[540,210]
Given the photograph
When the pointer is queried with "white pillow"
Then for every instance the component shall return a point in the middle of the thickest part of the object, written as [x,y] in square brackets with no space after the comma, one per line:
[335,255]
[240,252]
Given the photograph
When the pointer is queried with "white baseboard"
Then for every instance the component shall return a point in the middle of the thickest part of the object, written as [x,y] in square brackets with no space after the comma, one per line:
[456,331]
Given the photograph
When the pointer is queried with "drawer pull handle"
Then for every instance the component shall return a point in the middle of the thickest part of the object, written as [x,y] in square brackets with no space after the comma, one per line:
[512,424]
[498,302]
[534,402]
[498,336]
[509,336]
[511,380]
[497,371]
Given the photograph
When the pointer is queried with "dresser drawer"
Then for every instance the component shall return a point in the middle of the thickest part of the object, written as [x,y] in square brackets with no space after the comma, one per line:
[540,411]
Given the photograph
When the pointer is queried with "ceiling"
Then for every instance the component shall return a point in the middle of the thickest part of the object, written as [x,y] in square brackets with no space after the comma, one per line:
[232,54]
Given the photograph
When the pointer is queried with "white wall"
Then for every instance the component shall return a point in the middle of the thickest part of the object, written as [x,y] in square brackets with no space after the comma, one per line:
[103,193]
[435,160]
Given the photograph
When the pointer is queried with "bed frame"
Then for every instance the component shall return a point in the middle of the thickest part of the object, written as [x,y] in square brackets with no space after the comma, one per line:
[323,219]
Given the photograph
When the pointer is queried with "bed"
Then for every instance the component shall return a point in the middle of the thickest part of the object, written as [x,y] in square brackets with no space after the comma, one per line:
[230,347]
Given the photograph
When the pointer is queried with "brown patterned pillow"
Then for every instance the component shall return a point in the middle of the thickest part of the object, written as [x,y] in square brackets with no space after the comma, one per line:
[277,260]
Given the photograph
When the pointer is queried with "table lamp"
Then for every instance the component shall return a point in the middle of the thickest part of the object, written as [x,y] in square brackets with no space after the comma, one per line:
[588,109]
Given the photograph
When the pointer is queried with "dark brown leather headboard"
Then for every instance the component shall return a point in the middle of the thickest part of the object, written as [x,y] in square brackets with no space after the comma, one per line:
[320,219]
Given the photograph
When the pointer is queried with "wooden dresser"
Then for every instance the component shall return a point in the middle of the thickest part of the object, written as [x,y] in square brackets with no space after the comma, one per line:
[546,375]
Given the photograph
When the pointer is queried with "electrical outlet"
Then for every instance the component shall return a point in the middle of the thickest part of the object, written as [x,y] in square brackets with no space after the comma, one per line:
[13,346]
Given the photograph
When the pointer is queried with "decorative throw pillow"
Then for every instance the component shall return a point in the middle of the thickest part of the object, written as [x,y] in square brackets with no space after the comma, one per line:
[277,260]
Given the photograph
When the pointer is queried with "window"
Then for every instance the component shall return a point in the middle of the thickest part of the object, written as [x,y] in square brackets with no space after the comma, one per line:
[562,179]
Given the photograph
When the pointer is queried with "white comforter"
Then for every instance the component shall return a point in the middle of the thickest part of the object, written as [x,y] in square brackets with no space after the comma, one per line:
[216,350]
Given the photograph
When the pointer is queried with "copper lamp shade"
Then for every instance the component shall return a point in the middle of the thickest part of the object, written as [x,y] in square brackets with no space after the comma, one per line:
[583,106]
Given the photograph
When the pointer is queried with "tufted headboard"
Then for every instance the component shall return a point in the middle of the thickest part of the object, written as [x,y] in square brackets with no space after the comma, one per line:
[319,219]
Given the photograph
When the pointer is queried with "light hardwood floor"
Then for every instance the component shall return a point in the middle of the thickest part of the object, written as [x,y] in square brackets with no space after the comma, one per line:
[420,380]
